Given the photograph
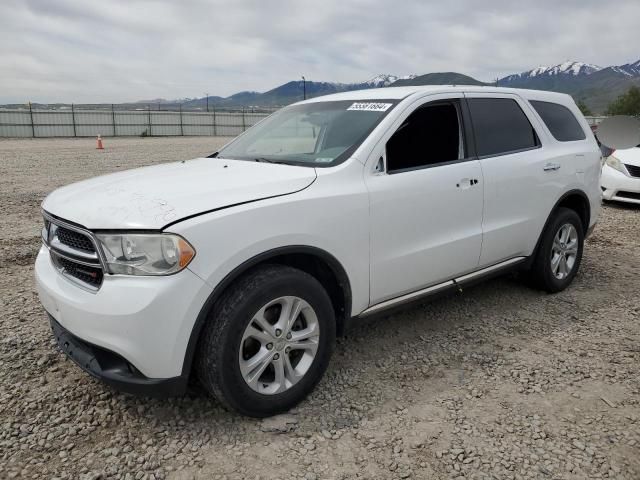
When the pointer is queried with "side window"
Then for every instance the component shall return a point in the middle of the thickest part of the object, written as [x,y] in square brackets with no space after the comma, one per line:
[500,126]
[430,135]
[559,120]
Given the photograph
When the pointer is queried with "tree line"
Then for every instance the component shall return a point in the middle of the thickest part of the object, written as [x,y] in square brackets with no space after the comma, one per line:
[626,104]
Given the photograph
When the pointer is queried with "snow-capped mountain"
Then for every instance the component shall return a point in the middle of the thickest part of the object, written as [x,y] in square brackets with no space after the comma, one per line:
[385,79]
[594,85]
[566,68]
[162,101]
[629,69]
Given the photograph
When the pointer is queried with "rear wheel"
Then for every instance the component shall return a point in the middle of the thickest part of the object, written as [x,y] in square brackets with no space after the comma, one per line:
[560,251]
[268,341]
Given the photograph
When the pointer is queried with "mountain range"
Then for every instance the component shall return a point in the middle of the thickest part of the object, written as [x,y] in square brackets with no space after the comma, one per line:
[595,86]
[293,91]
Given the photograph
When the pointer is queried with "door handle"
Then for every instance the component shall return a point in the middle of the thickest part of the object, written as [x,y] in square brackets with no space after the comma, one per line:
[466,183]
[551,167]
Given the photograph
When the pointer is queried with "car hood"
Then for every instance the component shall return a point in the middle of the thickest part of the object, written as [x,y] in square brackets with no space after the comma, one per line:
[153,197]
[629,156]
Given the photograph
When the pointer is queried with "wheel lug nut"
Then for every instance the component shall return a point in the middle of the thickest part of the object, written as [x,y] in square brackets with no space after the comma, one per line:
[269,346]
[287,350]
[276,356]
[288,336]
[278,332]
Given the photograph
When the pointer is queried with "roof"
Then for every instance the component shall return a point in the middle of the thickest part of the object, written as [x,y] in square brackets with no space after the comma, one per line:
[398,93]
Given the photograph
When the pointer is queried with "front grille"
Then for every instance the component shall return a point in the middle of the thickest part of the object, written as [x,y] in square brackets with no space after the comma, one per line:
[633,170]
[632,195]
[90,275]
[73,252]
[75,240]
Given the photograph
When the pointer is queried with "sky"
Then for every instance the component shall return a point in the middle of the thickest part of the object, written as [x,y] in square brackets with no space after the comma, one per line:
[87,51]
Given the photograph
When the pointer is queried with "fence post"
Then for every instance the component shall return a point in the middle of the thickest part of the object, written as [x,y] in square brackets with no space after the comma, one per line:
[181,127]
[73,119]
[214,122]
[244,124]
[113,120]
[33,130]
[149,118]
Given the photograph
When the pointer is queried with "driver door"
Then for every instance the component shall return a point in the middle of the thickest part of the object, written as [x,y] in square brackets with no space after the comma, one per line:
[426,200]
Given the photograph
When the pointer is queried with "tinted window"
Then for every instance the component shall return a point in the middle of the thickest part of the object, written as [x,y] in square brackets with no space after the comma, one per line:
[428,136]
[560,121]
[500,126]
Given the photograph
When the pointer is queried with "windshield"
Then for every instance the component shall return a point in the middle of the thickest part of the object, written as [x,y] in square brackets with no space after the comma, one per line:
[318,134]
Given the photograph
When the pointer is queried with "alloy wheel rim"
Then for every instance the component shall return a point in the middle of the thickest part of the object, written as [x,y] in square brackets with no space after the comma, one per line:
[564,251]
[279,345]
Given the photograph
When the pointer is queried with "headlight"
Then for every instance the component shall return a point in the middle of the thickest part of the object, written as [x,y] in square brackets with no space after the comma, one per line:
[145,254]
[613,162]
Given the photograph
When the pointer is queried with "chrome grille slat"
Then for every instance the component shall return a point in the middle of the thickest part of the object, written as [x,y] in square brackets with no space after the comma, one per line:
[74,259]
[56,244]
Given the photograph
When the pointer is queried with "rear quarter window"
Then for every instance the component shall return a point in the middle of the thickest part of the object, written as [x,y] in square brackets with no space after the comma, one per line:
[560,121]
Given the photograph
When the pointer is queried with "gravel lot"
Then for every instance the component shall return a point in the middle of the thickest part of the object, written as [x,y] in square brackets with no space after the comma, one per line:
[500,381]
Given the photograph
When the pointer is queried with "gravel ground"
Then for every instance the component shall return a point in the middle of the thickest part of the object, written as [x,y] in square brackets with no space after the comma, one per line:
[500,381]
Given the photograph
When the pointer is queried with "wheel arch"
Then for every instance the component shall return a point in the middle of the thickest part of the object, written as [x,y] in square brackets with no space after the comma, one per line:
[317,262]
[576,200]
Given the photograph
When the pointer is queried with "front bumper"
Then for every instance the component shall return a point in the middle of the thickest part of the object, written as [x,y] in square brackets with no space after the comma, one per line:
[619,187]
[112,369]
[147,321]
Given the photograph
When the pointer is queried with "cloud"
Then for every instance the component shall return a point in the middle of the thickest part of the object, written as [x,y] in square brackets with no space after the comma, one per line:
[124,50]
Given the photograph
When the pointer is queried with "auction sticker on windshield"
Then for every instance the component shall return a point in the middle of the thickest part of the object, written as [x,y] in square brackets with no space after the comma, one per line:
[370,106]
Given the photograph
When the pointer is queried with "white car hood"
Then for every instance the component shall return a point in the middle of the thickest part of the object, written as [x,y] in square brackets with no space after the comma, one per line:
[629,156]
[153,197]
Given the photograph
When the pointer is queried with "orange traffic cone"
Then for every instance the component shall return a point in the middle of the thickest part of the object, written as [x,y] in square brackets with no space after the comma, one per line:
[99,147]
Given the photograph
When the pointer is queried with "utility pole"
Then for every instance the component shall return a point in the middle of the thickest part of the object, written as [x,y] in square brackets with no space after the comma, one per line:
[33,128]
[207,95]
[73,119]
[113,120]
[304,87]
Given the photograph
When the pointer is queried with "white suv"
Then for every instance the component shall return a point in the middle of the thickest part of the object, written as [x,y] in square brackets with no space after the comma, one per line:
[241,268]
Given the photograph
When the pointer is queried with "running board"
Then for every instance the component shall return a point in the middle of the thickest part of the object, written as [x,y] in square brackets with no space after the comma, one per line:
[425,292]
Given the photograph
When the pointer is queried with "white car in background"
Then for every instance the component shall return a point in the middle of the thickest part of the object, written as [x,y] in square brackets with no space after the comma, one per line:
[621,176]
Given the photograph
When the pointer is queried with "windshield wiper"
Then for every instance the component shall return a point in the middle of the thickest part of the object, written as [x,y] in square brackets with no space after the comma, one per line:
[268,160]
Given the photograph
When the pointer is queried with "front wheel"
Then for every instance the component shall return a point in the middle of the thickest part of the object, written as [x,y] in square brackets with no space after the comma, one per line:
[268,341]
[560,251]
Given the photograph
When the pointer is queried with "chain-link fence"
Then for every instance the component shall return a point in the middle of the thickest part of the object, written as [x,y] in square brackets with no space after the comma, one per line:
[80,122]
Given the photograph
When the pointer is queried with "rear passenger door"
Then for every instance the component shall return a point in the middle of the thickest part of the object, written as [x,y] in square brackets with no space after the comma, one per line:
[521,183]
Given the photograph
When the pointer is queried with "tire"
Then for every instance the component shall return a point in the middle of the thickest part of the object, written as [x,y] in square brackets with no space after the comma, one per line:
[551,276]
[233,339]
